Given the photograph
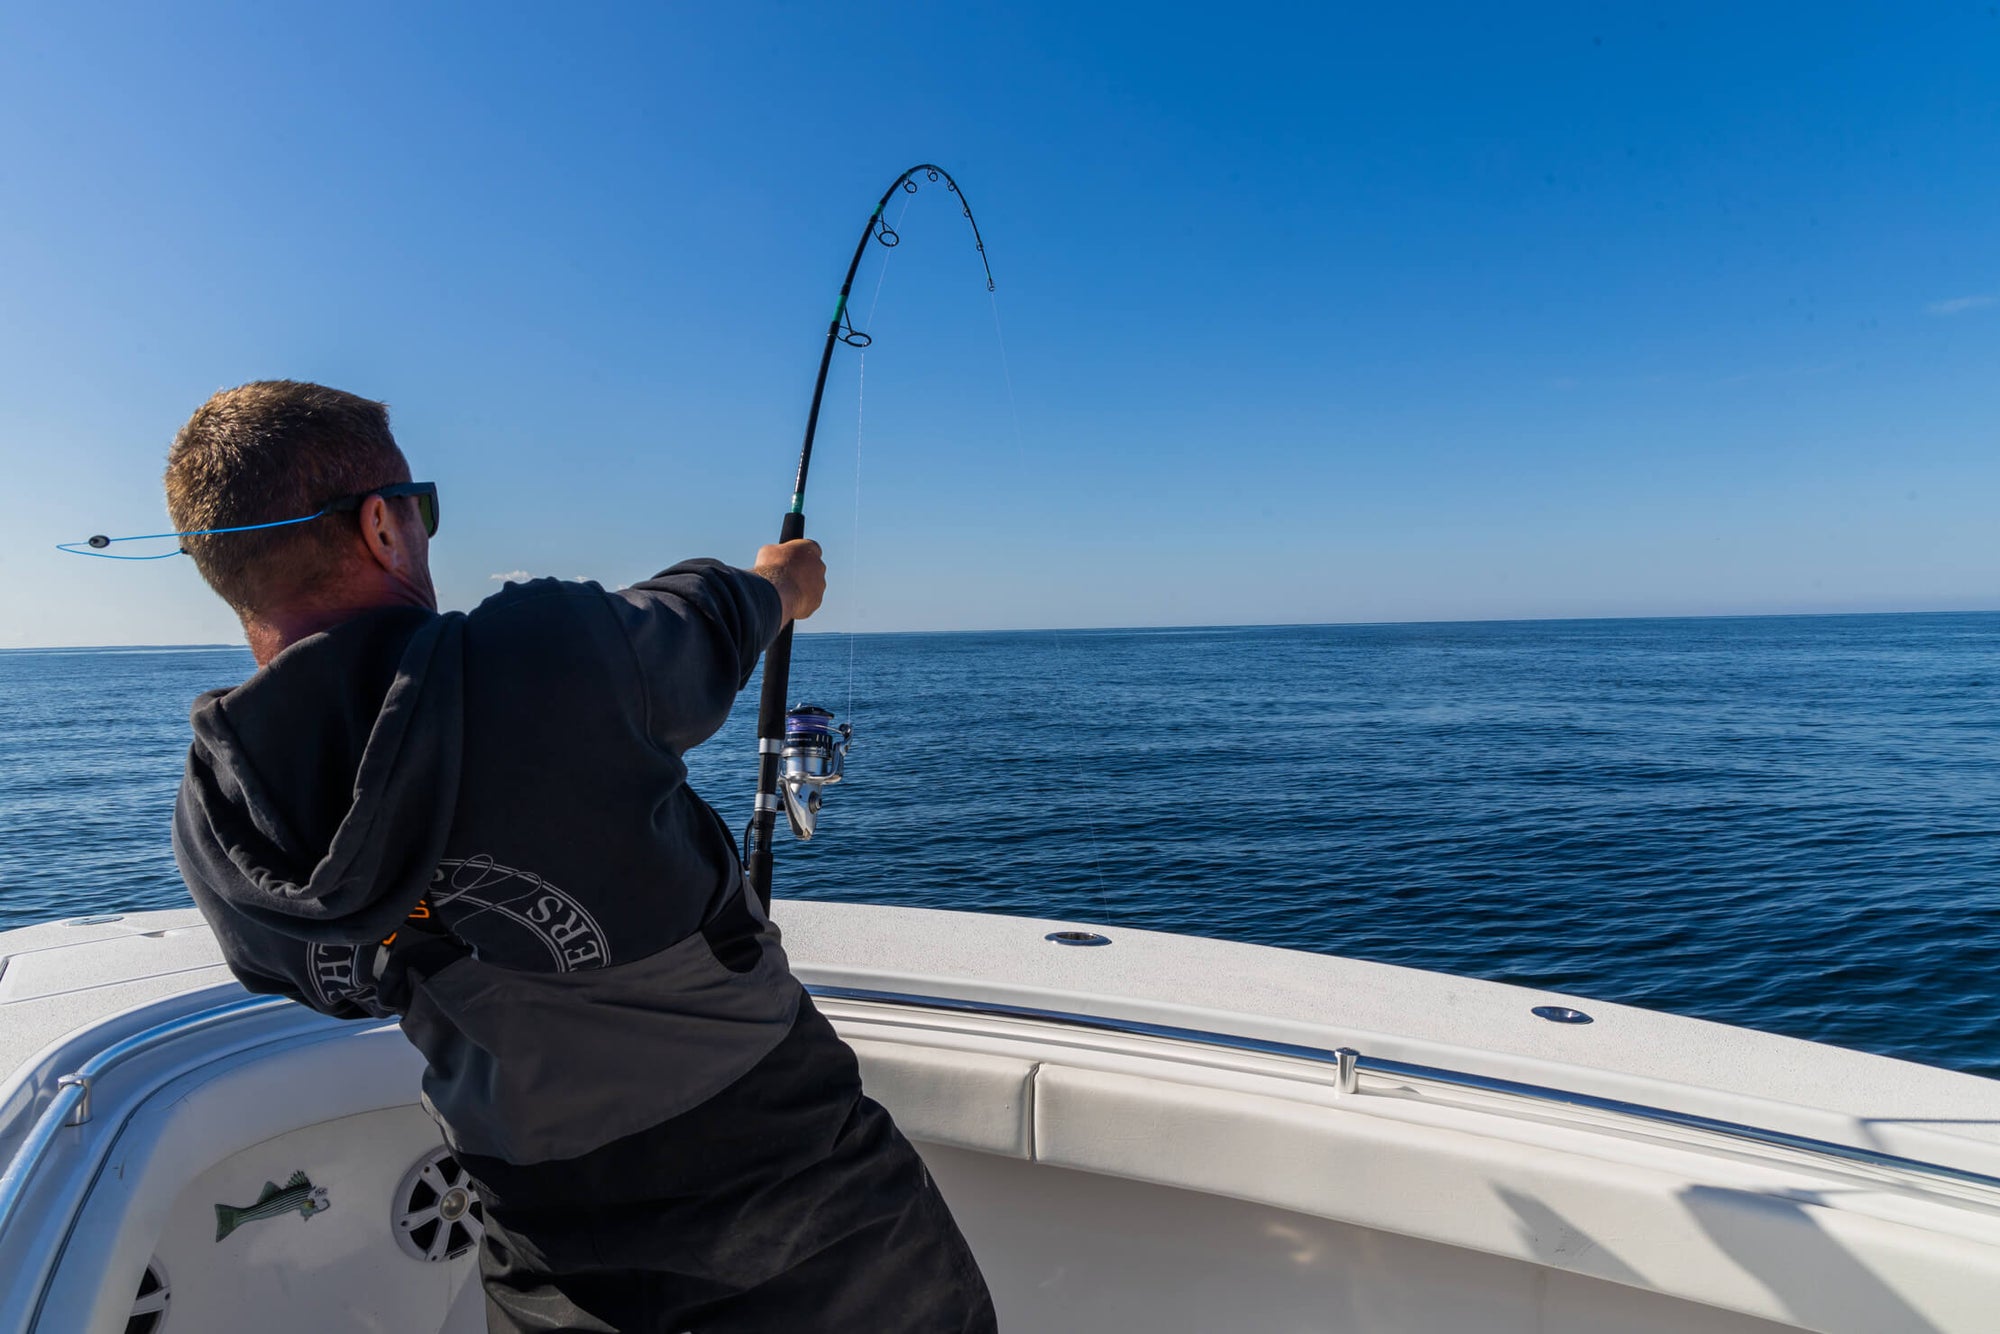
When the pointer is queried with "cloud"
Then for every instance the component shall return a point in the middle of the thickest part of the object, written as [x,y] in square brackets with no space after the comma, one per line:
[1960,304]
[510,577]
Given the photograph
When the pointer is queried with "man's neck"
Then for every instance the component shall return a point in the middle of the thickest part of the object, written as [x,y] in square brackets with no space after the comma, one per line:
[271,633]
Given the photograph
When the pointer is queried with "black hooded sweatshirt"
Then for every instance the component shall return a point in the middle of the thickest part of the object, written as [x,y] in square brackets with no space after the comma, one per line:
[665,1132]
[593,964]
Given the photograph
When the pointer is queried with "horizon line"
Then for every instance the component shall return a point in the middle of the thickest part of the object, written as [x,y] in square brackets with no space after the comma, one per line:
[1143,629]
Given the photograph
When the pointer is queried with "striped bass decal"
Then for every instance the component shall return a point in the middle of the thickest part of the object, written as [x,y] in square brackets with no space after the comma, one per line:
[297,1195]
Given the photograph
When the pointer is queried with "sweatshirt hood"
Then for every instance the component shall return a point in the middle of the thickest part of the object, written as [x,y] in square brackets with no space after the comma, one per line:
[319,793]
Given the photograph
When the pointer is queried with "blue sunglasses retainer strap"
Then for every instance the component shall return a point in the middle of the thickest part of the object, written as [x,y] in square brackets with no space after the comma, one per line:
[91,547]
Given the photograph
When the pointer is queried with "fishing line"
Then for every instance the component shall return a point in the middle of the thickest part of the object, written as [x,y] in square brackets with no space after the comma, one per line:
[860,398]
[1013,409]
[883,276]
[854,547]
[1064,671]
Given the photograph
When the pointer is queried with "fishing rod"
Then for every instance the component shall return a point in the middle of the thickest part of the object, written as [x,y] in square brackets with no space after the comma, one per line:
[800,752]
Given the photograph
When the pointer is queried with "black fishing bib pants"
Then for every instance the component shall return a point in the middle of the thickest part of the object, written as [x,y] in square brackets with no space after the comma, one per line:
[726,1220]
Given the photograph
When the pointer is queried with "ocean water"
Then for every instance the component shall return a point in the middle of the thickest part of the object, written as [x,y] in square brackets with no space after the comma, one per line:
[1790,823]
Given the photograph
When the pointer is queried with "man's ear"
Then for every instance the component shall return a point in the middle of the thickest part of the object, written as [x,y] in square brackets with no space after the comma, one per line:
[378,534]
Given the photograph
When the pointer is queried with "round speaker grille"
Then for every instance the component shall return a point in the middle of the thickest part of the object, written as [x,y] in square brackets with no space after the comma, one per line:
[149,1304]
[438,1213]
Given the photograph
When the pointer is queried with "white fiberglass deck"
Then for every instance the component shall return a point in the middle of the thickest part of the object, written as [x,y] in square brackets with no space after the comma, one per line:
[1149,1135]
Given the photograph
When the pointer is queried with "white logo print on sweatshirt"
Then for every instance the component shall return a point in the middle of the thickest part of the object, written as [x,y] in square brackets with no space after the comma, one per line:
[535,908]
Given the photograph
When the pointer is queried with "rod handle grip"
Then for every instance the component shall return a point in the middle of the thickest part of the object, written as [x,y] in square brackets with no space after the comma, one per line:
[771,725]
[758,871]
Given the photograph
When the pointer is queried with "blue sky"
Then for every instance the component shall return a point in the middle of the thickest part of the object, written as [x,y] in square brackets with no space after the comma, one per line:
[1316,313]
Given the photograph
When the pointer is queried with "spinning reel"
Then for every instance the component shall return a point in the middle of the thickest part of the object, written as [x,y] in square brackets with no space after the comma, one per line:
[813,758]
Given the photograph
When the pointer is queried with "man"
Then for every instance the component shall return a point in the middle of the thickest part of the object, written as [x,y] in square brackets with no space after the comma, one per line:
[481,823]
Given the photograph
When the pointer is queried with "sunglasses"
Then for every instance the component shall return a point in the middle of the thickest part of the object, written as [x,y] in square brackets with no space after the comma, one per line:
[425,494]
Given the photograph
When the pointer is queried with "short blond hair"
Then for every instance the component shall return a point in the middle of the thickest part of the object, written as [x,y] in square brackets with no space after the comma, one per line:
[268,451]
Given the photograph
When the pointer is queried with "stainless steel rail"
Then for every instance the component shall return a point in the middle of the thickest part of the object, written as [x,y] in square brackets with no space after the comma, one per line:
[1347,1062]
[71,1107]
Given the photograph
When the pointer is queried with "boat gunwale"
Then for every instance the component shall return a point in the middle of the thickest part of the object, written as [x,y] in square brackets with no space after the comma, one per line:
[69,1106]
[1365,1064]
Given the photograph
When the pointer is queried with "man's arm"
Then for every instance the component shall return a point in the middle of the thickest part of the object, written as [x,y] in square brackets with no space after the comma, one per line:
[697,629]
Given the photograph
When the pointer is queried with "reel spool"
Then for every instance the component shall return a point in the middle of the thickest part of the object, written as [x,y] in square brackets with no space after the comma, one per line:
[813,758]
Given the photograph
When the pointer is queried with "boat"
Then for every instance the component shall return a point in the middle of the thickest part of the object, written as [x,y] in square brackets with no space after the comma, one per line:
[1138,1131]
